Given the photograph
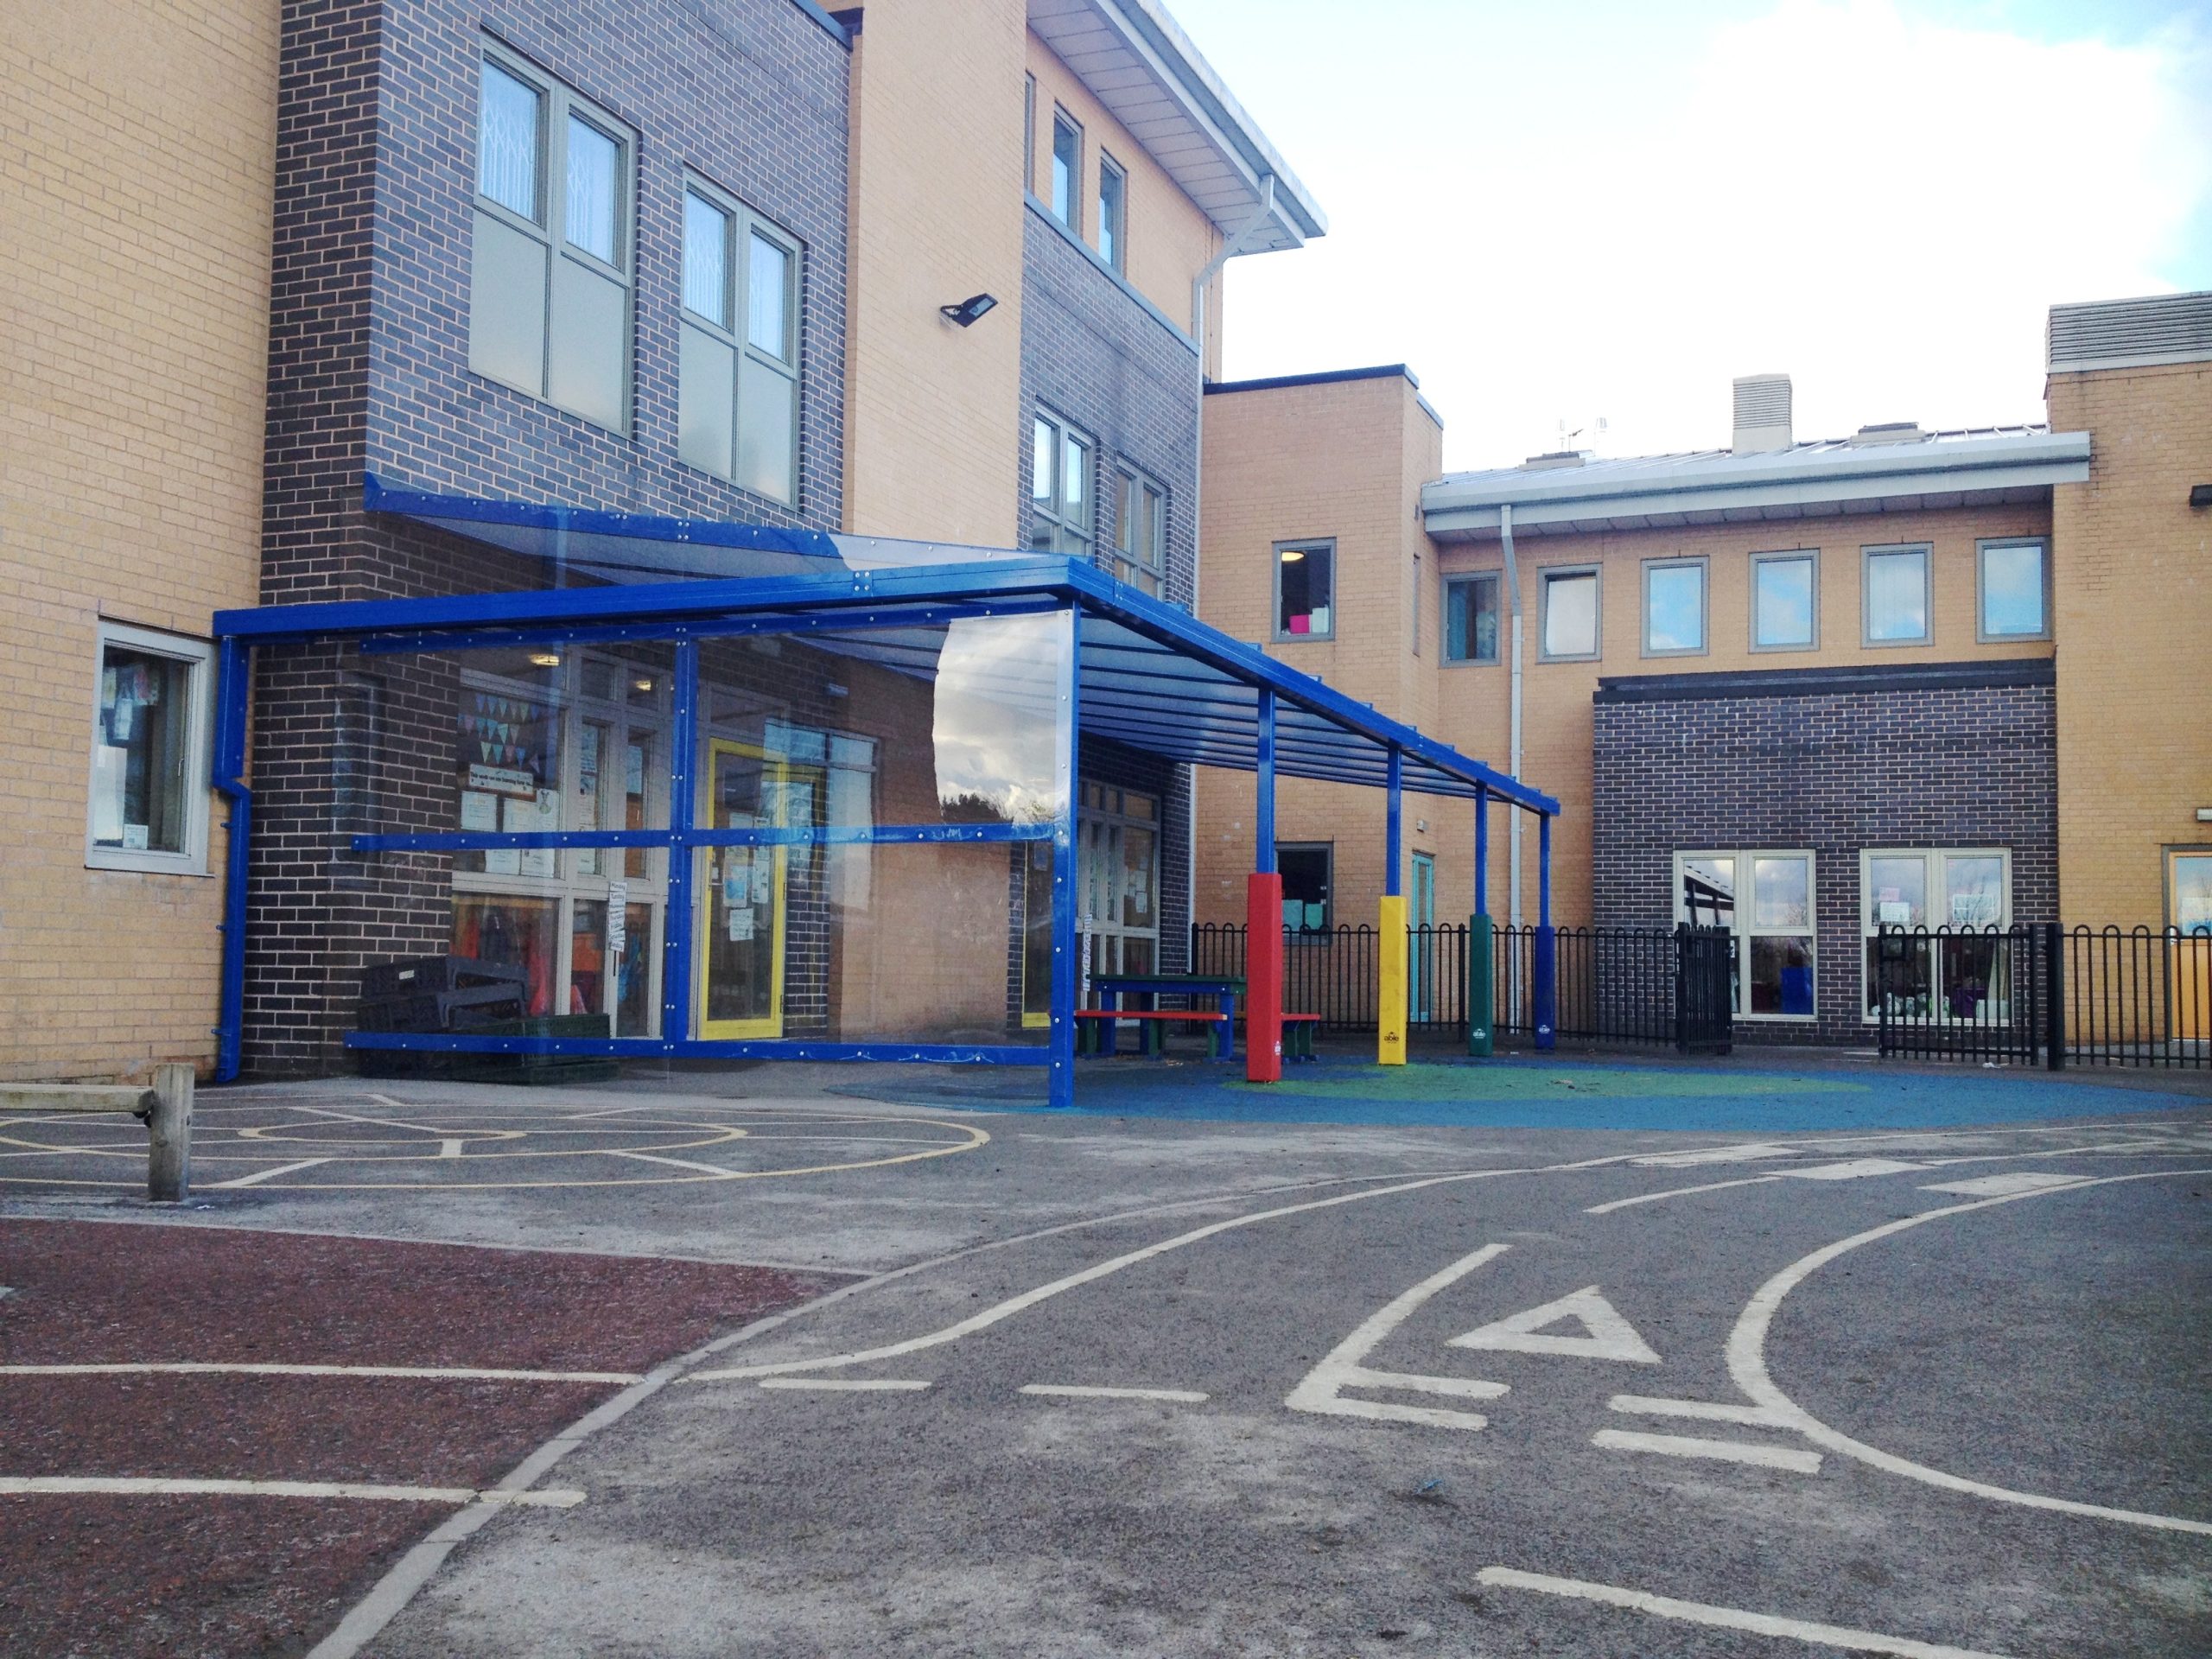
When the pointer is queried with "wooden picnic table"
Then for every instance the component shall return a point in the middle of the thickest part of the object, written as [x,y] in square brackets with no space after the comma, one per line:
[1223,988]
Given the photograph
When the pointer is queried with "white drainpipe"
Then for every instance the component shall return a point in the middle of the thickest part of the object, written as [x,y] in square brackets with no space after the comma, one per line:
[1513,762]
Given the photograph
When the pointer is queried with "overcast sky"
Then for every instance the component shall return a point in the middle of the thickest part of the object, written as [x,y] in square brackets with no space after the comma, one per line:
[1559,212]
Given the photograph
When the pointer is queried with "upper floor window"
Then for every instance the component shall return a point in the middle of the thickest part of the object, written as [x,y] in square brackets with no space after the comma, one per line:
[1785,600]
[737,372]
[1062,516]
[551,262]
[1569,626]
[1674,608]
[1896,596]
[2013,581]
[149,803]
[1306,580]
[1113,213]
[1470,619]
[1067,170]
[1141,532]
[1029,132]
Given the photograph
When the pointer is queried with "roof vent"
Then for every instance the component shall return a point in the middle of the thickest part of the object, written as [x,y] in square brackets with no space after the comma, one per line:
[1891,432]
[1762,414]
[1553,458]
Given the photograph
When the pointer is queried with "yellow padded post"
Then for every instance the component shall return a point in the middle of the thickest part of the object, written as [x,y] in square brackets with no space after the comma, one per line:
[1390,987]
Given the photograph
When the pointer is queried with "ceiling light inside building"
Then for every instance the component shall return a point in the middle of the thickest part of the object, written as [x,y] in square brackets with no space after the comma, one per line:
[1292,556]
[545,659]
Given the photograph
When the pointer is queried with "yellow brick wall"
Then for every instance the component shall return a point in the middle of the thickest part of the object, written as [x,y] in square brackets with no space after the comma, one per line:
[2134,615]
[1346,459]
[137,161]
[931,427]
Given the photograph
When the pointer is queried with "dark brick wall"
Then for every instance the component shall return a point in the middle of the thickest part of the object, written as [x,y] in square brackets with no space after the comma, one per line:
[1939,755]
[1097,356]
[369,372]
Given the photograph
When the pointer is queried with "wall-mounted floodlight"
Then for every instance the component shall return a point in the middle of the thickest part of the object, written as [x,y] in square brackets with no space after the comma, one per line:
[969,309]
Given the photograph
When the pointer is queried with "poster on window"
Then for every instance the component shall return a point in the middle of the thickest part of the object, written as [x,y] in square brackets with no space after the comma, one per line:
[1973,909]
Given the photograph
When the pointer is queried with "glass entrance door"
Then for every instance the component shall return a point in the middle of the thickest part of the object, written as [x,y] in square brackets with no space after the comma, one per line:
[741,909]
[2188,885]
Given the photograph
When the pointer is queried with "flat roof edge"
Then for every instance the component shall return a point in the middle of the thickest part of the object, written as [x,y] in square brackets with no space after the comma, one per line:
[1316,378]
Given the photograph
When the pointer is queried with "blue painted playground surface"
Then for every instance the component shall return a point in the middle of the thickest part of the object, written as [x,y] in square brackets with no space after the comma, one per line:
[1576,1094]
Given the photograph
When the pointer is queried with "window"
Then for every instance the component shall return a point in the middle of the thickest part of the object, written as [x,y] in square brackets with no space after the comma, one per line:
[1785,600]
[549,284]
[1966,891]
[1061,514]
[737,394]
[1305,575]
[1029,132]
[1113,212]
[1774,932]
[1470,619]
[1674,608]
[1306,868]
[148,804]
[1896,596]
[1417,581]
[1141,532]
[1067,171]
[2012,581]
[1569,629]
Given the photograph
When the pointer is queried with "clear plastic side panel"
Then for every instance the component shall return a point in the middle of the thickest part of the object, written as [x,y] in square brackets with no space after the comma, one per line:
[874,943]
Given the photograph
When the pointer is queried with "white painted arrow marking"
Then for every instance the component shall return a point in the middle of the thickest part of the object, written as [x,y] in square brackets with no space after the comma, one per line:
[1607,1335]
[1857,1169]
[1323,1389]
[1992,1186]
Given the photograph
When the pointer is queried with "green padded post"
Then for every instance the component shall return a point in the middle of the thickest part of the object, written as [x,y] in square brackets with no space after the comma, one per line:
[1482,999]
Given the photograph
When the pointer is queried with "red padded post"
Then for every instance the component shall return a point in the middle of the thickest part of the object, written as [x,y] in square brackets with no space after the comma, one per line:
[1264,978]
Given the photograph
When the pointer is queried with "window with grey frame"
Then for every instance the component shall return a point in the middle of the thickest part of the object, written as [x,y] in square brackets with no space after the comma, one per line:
[1894,595]
[1306,585]
[1674,608]
[1785,600]
[1113,212]
[737,372]
[1063,516]
[1029,132]
[551,262]
[1141,532]
[1567,627]
[1471,607]
[1067,171]
[2013,589]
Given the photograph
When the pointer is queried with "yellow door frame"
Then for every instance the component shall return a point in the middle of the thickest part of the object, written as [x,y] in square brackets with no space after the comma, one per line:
[775,767]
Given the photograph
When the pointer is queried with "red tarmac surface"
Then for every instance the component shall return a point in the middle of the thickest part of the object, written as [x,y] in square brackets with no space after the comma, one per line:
[249,1575]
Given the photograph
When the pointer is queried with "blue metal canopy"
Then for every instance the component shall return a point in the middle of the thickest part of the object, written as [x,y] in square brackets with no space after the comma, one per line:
[1151,675]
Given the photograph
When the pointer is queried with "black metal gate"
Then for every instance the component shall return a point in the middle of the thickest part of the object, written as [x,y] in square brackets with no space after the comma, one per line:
[1705,989]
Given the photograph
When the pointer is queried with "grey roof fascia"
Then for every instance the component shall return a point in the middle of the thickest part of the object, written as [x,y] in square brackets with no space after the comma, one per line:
[1723,485]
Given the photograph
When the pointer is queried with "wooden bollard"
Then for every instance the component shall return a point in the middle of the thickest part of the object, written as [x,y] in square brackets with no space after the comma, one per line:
[169,1165]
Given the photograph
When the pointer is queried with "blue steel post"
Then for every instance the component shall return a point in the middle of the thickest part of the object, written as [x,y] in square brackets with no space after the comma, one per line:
[683,813]
[1393,820]
[1482,850]
[234,684]
[1066,972]
[1546,975]
[1264,813]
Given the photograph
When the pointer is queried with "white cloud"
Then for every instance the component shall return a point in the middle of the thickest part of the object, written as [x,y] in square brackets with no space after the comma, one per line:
[1881,206]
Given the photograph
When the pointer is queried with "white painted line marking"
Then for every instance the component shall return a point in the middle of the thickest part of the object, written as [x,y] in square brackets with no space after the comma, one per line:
[1857,1170]
[1746,1352]
[1991,1186]
[1710,1411]
[1077,1391]
[1747,1151]
[1464,1388]
[675,1163]
[1321,1390]
[1684,1445]
[1676,1192]
[1726,1618]
[141,1486]
[846,1384]
[429,1373]
[261,1175]
[1606,1334]
[450,1148]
